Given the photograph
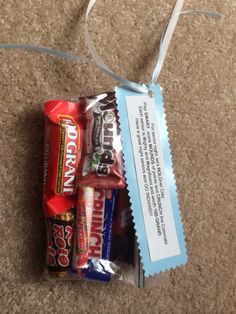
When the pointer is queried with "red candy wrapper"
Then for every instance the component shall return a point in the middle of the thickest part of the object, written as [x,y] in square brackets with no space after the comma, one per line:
[83,227]
[102,162]
[63,146]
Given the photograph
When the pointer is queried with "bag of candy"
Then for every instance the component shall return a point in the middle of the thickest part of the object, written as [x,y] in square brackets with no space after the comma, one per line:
[90,233]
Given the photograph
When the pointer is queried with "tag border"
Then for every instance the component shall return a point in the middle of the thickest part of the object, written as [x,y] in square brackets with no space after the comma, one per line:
[151,268]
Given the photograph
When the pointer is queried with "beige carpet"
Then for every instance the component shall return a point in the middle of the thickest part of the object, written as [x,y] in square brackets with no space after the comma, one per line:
[199,84]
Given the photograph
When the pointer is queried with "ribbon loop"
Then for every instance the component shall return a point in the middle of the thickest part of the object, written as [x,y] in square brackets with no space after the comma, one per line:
[101,64]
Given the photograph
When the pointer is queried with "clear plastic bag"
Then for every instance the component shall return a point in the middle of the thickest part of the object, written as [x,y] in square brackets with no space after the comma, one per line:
[90,233]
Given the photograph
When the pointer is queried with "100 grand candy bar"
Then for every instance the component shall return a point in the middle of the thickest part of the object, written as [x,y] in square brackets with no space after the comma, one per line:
[82,170]
[63,148]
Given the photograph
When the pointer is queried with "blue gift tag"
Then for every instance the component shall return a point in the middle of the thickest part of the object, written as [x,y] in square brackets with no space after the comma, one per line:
[150,179]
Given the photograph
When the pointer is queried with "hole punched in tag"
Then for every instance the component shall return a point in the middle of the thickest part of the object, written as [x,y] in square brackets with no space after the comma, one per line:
[151,93]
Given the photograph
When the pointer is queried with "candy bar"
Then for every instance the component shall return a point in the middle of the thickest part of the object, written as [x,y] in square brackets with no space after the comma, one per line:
[122,230]
[59,243]
[63,145]
[102,162]
[83,226]
[98,265]
[101,225]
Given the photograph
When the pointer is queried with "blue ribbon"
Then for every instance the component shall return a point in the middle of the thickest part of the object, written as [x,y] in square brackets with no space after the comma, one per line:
[130,85]
[50,51]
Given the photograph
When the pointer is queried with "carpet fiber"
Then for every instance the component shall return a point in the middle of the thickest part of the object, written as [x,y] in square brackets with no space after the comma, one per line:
[199,90]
